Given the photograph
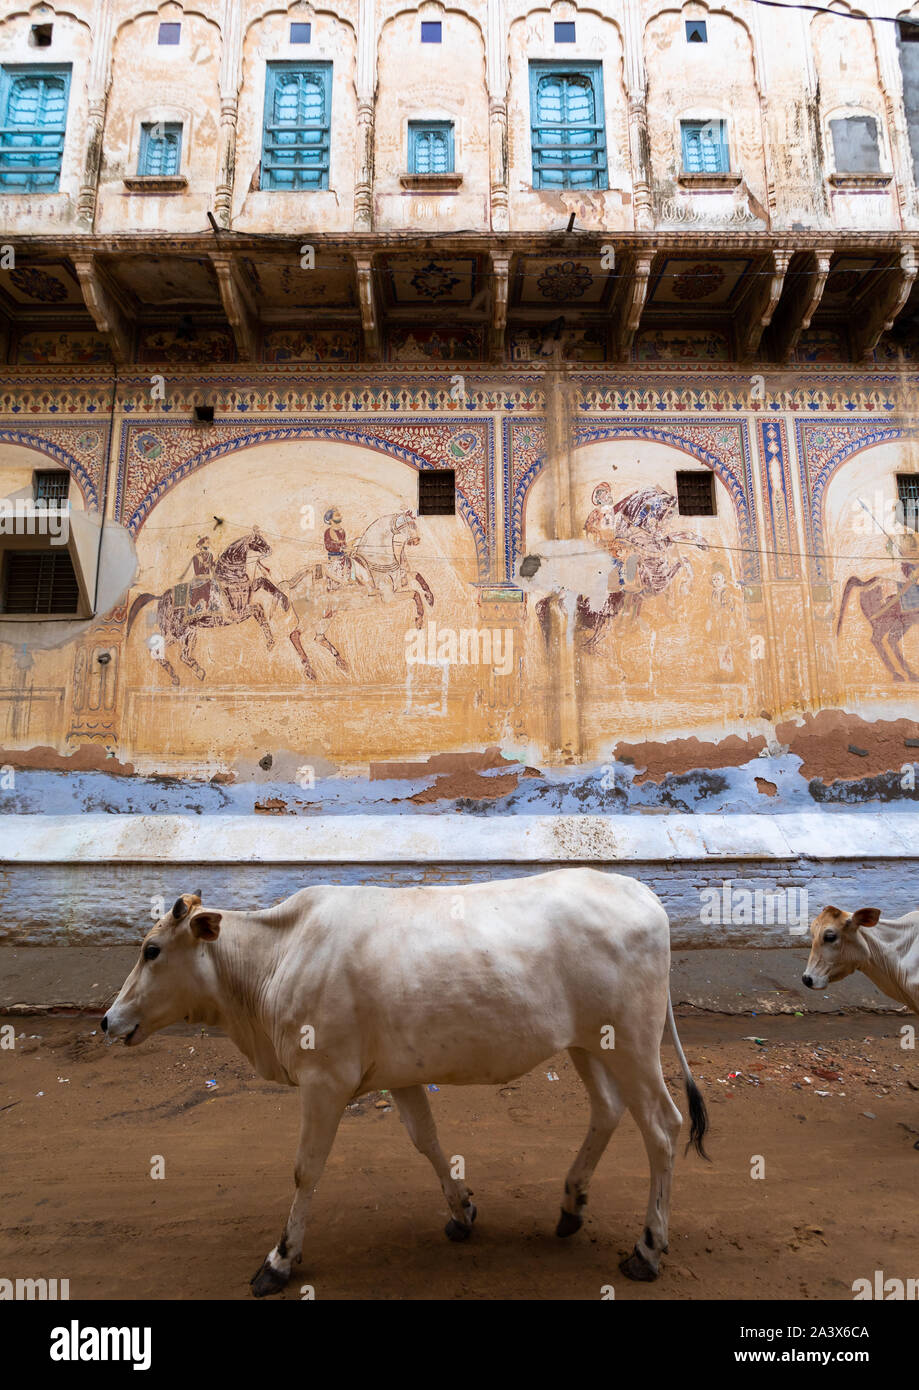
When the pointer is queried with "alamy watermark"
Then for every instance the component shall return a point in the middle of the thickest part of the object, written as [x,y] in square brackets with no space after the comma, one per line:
[726,904]
[466,646]
[23,516]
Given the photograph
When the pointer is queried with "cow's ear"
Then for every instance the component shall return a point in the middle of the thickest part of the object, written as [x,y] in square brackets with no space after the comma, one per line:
[864,917]
[206,925]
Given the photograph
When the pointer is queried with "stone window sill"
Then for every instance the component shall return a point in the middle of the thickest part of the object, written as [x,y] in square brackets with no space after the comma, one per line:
[861,183]
[431,183]
[156,183]
[709,183]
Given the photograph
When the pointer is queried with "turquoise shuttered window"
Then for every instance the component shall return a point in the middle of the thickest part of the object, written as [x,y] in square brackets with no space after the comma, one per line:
[295,150]
[430,147]
[160,148]
[705,147]
[33,120]
[567,127]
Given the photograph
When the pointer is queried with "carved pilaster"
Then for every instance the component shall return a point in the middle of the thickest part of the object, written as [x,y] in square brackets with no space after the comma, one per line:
[86,199]
[363,188]
[497,139]
[223,197]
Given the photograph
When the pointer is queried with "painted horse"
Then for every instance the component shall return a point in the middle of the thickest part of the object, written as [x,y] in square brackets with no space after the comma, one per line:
[379,563]
[234,590]
[882,603]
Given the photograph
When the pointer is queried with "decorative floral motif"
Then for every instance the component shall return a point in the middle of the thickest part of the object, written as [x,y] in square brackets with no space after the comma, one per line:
[698,281]
[38,284]
[433,280]
[567,280]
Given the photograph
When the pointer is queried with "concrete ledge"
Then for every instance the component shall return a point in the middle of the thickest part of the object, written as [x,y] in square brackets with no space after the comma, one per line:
[454,838]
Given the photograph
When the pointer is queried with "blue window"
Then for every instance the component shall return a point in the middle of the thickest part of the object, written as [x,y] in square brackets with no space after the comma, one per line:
[300,33]
[431,31]
[430,147]
[160,148]
[295,150]
[696,31]
[705,147]
[564,33]
[568,134]
[33,120]
[169,33]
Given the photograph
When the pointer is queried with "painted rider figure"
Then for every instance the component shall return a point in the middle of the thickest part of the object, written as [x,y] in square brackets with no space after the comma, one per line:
[908,587]
[203,595]
[338,569]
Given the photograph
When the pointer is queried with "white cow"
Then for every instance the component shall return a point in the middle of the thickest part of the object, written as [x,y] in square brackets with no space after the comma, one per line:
[343,990]
[884,949]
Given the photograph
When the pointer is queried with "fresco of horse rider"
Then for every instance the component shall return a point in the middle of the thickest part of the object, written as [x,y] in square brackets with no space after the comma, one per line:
[224,595]
[335,540]
[891,606]
[644,552]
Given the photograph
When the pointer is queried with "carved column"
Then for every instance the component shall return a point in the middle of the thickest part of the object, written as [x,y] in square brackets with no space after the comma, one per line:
[230,75]
[99,71]
[223,197]
[497,78]
[366,95]
[639,142]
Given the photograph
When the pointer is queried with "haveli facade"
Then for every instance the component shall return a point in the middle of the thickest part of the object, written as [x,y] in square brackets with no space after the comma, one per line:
[500,406]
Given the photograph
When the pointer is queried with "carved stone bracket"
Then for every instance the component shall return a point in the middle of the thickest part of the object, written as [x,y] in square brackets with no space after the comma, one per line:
[886,304]
[797,311]
[368,302]
[632,305]
[238,306]
[500,272]
[106,306]
[761,304]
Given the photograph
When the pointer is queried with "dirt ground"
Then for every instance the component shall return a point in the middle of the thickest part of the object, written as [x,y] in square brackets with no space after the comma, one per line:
[831,1104]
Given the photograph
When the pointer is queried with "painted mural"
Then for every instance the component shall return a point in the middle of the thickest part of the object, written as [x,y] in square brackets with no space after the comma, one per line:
[290,594]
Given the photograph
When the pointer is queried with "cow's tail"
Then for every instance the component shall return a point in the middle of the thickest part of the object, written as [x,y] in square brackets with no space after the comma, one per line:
[698,1115]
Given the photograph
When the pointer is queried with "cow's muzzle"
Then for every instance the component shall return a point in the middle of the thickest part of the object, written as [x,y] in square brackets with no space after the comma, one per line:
[131,1034]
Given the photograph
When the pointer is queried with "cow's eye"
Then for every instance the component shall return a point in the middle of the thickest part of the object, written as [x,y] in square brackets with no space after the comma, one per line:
[151,952]
[829,936]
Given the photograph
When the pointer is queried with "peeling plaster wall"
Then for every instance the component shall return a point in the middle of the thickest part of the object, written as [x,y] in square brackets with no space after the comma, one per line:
[598,39]
[180,84]
[438,82]
[53,212]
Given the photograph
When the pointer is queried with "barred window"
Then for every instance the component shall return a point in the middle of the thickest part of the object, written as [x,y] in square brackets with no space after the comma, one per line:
[52,485]
[33,118]
[39,581]
[705,147]
[695,491]
[160,148]
[568,132]
[908,500]
[437,492]
[295,151]
[430,147]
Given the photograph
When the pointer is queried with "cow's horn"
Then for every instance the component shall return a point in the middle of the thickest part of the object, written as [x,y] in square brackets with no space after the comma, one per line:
[179,909]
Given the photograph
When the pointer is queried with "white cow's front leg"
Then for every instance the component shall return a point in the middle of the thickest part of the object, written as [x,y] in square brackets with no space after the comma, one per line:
[321,1111]
[415,1113]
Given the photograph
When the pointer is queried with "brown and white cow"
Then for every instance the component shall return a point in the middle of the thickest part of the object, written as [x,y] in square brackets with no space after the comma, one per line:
[884,949]
[343,990]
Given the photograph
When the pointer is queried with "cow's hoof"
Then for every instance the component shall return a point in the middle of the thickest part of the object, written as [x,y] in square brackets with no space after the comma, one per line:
[455,1230]
[637,1267]
[568,1223]
[267,1280]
